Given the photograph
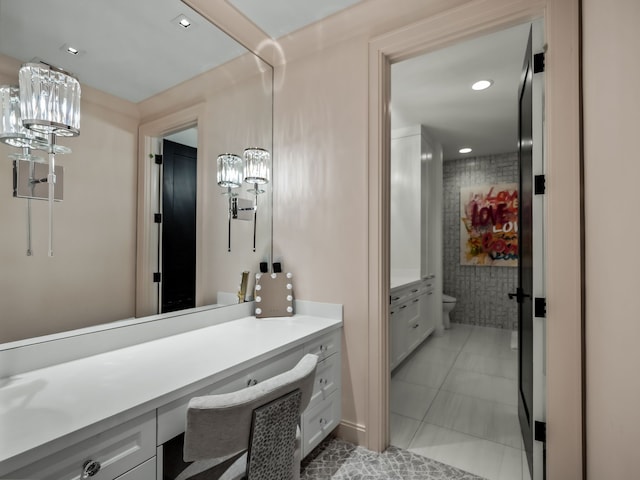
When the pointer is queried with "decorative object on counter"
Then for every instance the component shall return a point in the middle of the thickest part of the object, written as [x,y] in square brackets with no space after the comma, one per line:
[44,106]
[242,293]
[274,295]
[254,169]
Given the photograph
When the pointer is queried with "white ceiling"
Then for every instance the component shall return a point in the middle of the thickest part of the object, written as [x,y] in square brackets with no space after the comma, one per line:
[129,48]
[281,17]
[137,41]
[434,90]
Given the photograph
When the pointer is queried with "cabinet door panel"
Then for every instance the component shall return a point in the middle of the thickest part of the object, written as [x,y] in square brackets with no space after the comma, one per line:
[326,345]
[319,421]
[112,453]
[328,378]
[146,471]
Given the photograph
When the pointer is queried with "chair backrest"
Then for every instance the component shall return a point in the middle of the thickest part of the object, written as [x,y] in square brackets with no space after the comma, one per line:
[220,425]
[272,444]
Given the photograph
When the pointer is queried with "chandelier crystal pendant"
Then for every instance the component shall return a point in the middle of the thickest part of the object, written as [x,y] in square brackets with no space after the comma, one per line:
[45,105]
[252,168]
[229,177]
[256,172]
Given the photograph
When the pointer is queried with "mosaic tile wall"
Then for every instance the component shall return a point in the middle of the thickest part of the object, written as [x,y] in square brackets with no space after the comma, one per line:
[481,292]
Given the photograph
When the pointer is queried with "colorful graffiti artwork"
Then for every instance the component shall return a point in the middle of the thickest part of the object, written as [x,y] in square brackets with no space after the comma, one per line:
[489,227]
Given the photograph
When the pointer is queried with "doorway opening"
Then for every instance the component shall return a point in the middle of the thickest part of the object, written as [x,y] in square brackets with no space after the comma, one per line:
[177,221]
[456,367]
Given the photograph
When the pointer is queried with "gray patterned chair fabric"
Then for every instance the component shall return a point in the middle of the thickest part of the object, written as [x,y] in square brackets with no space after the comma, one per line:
[252,433]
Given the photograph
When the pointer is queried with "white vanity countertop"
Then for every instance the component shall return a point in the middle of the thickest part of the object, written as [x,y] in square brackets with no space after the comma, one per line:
[63,401]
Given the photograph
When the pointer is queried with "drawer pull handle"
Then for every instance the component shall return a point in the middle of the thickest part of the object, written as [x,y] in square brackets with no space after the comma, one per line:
[90,468]
[324,348]
[416,325]
[393,299]
[252,382]
[323,421]
[416,300]
[324,381]
[403,306]
[414,291]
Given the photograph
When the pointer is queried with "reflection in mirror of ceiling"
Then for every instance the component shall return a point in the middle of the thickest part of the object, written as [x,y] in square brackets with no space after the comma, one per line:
[281,17]
[117,39]
[434,90]
[187,137]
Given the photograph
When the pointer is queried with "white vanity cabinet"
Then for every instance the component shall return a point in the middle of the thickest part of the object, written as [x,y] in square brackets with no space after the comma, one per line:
[105,456]
[115,427]
[324,410]
[411,318]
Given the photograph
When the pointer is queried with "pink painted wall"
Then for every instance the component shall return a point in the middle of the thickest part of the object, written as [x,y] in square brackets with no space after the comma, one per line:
[320,199]
[90,279]
[612,171]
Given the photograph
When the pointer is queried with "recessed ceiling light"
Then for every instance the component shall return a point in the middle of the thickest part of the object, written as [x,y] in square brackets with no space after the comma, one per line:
[482,84]
[465,150]
[182,21]
[71,50]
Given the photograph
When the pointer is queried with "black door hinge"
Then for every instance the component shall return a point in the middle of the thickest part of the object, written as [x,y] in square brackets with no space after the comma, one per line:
[539,185]
[538,62]
[157,218]
[158,159]
[540,307]
[157,277]
[540,431]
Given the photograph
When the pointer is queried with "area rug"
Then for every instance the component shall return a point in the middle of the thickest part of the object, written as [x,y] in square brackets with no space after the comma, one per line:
[335,459]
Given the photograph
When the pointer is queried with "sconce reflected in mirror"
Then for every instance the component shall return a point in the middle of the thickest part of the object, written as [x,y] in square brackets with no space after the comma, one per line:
[253,168]
[45,105]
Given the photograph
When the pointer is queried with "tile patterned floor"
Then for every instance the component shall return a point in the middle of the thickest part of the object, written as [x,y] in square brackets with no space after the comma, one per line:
[336,459]
[454,400]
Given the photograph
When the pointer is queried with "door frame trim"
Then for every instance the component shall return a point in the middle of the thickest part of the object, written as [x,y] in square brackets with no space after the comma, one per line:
[564,226]
[147,237]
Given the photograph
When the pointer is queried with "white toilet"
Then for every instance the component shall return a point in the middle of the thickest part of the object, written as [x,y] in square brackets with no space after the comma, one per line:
[448,303]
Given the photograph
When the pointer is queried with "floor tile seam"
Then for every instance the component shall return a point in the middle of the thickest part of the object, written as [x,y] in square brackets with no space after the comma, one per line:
[443,382]
[487,352]
[422,384]
[477,398]
[416,384]
[414,433]
[467,434]
[473,435]
[484,373]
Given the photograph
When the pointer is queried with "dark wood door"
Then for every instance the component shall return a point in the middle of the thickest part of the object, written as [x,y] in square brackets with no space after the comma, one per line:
[525,256]
[179,174]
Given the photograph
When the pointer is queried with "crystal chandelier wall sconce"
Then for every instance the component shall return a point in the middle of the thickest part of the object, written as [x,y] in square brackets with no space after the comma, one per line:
[253,168]
[45,105]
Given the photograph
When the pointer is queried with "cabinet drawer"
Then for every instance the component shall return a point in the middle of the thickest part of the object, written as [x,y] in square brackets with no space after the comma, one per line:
[116,451]
[272,367]
[324,346]
[328,375]
[319,421]
[146,471]
[172,417]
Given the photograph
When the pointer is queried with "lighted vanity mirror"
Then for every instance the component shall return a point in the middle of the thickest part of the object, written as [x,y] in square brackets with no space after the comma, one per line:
[144,77]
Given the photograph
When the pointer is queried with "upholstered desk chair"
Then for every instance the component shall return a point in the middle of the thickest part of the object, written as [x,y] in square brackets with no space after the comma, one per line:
[252,433]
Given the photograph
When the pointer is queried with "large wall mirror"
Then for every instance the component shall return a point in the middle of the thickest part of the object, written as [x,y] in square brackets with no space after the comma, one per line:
[149,84]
